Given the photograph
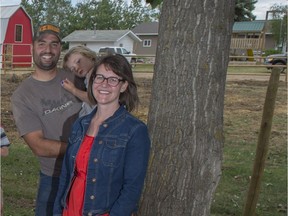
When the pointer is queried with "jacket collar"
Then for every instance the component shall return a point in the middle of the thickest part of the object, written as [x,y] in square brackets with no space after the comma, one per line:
[120,112]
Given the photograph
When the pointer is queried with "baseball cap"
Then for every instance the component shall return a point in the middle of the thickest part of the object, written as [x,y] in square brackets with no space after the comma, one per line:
[47,28]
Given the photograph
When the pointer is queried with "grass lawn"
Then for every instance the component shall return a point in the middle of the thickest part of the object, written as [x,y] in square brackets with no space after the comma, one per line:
[242,117]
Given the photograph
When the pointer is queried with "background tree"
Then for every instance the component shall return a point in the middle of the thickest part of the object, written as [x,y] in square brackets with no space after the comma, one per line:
[279,25]
[185,117]
[58,12]
[136,13]
[85,15]
[104,14]
[243,10]
[107,14]
[49,11]
[97,14]
[35,9]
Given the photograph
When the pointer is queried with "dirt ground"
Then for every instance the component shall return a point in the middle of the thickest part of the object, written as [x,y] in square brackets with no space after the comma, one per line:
[234,77]
[10,82]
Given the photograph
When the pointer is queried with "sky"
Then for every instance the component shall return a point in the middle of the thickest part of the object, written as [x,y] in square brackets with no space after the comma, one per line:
[260,7]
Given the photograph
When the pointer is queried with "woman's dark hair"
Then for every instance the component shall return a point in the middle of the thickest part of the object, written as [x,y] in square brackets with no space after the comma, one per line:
[121,67]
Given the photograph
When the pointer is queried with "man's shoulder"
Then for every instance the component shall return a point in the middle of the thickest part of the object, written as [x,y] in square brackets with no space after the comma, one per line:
[26,81]
[65,73]
[25,84]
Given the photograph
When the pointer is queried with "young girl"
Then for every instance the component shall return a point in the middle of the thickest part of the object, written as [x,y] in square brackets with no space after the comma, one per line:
[81,61]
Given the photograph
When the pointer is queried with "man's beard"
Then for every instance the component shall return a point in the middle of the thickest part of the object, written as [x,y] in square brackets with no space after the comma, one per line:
[43,66]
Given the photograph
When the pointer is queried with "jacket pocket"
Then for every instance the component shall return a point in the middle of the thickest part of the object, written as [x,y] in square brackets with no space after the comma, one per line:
[112,153]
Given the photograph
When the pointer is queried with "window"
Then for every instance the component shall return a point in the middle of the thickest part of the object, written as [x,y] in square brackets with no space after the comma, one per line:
[125,51]
[119,50]
[18,33]
[147,43]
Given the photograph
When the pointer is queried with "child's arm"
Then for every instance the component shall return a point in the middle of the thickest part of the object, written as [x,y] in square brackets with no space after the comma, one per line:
[69,86]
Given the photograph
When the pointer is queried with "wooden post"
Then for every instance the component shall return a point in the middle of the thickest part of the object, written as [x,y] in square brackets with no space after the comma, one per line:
[262,145]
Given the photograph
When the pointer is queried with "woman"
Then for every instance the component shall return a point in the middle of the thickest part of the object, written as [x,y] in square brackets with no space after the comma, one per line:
[81,61]
[105,164]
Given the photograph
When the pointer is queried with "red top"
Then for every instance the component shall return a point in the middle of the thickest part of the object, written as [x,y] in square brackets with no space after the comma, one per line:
[76,196]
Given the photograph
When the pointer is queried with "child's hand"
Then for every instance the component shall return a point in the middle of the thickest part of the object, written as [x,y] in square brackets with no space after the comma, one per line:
[68,85]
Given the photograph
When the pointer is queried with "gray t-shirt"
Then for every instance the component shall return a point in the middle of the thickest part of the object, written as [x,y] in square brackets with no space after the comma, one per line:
[46,106]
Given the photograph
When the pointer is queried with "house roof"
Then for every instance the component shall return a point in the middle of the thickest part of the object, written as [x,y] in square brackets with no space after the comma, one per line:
[99,36]
[150,28]
[249,26]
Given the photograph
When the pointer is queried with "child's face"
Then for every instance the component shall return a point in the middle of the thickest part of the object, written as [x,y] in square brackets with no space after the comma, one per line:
[79,64]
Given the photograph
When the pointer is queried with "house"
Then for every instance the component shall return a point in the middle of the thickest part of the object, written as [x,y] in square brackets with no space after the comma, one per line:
[95,39]
[148,33]
[15,37]
[250,35]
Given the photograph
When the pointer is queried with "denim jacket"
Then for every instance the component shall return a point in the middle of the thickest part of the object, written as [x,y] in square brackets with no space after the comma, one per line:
[116,168]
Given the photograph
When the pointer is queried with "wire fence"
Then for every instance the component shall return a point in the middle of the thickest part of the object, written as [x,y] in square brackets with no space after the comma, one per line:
[16,65]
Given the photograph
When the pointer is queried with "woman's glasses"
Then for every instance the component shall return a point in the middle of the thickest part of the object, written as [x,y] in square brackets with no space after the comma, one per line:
[112,81]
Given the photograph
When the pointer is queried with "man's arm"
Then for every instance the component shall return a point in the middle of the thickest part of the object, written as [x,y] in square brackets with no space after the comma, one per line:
[44,147]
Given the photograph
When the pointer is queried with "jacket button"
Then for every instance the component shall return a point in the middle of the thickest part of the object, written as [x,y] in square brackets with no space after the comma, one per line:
[101,142]
[95,160]
[105,125]
[90,214]
[94,180]
[92,197]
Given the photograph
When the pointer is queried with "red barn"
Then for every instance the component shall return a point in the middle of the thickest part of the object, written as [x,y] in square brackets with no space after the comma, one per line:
[15,37]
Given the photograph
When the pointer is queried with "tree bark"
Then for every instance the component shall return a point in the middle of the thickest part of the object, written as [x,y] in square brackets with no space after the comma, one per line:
[185,117]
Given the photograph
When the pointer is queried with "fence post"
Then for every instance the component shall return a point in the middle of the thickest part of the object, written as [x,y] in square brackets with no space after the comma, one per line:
[262,145]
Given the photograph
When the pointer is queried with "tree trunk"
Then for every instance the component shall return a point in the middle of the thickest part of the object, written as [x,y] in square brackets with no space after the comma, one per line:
[186,111]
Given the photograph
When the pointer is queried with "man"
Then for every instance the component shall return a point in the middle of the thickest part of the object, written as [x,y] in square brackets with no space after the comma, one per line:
[44,113]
